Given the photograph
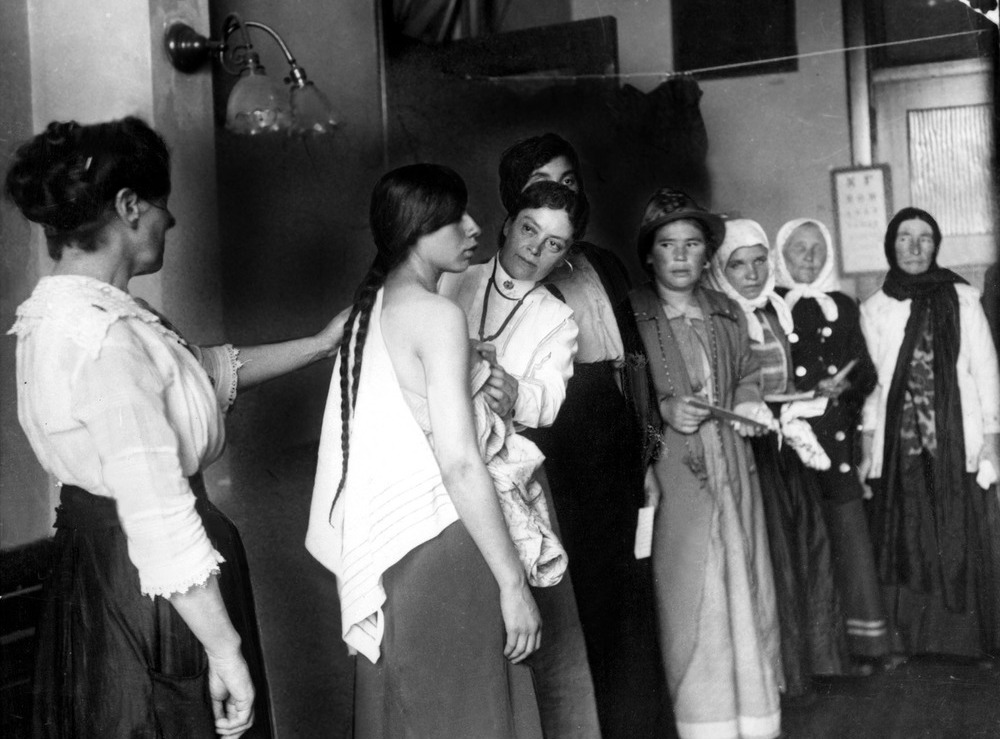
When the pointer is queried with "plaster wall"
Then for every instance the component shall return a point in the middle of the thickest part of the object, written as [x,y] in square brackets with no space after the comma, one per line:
[25,512]
[772,138]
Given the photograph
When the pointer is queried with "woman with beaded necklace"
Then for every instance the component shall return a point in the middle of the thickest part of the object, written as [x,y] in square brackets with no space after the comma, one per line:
[596,675]
[715,600]
[512,313]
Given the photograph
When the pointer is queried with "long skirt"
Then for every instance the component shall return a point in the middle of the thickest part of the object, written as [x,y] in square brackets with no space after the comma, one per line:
[595,473]
[857,579]
[729,689]
[441,671]
[813,639]
[920,621]
[112,662]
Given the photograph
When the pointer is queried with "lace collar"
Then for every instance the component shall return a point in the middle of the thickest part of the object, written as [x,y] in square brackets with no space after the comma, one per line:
[84,308]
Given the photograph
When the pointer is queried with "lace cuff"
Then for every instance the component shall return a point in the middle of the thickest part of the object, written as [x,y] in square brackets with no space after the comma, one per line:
[183,584]
[222,363]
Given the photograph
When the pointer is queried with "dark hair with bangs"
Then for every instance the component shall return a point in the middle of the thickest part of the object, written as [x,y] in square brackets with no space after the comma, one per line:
[520,160]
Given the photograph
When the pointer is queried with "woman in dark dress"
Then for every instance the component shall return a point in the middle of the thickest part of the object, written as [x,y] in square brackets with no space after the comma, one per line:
[828,335]
[812,629]
[931,438]
[148,627]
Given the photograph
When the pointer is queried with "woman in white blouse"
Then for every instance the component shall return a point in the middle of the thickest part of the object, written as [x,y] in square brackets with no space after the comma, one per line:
[148,626]
[566,358]
[932,449]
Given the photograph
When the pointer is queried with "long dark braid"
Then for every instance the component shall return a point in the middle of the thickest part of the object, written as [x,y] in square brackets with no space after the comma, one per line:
[350,375]
[407,203]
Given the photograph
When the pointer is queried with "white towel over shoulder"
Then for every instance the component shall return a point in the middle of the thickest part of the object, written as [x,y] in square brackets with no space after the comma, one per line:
[393,501]
[394,498]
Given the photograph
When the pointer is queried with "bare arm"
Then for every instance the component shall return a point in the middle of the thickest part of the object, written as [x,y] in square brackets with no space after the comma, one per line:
[438,330]
[266,361]
[229,682]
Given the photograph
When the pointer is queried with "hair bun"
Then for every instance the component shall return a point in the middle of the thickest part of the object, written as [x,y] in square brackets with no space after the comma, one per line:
[67,177]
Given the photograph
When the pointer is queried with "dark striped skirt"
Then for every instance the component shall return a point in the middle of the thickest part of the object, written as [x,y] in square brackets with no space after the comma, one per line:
[112,662]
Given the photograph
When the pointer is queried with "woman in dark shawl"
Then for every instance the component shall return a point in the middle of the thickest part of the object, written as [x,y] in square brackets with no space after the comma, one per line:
[931,449]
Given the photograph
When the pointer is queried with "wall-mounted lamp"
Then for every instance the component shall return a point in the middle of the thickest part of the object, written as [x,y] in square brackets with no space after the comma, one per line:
[254,105]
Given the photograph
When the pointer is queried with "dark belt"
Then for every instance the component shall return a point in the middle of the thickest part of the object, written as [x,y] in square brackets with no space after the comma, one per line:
[79,509]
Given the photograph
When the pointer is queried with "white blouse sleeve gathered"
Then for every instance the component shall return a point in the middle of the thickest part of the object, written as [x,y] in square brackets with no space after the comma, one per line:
[222,363]
[112,401]
[119,398]
[541,388]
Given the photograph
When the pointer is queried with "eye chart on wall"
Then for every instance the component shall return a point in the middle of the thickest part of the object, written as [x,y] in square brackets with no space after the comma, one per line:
[862,201]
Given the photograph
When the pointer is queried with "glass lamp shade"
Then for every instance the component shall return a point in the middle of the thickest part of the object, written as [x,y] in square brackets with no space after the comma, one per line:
[255,106]
[312,113]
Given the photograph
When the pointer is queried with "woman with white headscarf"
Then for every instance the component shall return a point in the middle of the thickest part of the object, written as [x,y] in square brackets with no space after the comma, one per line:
[812,629]
[827,337]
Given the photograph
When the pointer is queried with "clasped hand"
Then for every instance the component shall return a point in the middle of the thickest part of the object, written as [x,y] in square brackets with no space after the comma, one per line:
[678,413]
[501,388]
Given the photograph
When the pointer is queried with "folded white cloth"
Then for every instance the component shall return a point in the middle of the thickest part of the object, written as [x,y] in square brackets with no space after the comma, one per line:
[799,434]
[512,461]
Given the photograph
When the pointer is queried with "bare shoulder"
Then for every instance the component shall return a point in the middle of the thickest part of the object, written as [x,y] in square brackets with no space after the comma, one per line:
[425,316]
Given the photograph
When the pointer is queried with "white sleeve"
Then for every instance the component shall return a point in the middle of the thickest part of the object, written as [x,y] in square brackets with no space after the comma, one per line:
[869,412]
[983,361]
[119,398]
[541,390]
[222,364]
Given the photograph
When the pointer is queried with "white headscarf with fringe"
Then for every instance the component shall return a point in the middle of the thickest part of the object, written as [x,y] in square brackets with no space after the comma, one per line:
[742,232]
[826,281]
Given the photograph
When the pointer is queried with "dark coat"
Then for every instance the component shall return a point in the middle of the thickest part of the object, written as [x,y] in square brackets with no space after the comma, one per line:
[819,349]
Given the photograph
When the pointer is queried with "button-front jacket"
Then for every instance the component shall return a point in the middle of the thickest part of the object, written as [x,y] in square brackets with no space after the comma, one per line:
[820,348]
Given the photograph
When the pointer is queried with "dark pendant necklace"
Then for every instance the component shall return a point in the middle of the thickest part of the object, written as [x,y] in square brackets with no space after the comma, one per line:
[490,284]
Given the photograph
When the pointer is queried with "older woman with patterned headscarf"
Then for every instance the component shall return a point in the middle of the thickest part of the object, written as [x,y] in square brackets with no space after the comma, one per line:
[931,433]
[826,340]
[812,629]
